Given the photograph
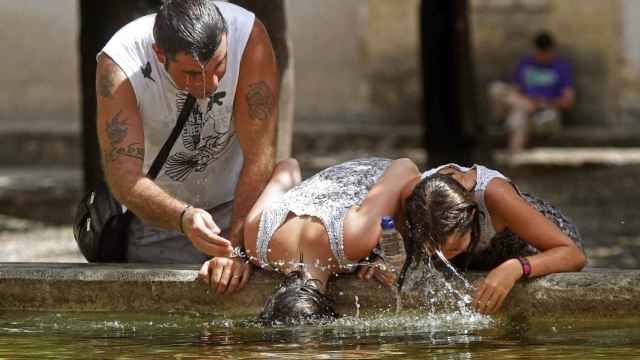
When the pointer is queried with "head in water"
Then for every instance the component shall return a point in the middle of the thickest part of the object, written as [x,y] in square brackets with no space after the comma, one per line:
[442,216]
[298,300]
[191,41]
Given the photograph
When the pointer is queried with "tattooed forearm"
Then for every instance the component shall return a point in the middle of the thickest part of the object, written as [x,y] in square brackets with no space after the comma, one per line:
[117,131]
[260,101]
[135,150]
[106,79]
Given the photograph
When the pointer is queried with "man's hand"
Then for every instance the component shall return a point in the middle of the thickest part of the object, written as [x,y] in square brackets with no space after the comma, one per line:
[225,275]
[204,233]
[492,290]
[378,270]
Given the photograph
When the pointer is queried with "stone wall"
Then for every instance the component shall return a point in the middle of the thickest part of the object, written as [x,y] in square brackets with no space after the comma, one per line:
[329,46]
[630,69]
[39,66]
[393,51]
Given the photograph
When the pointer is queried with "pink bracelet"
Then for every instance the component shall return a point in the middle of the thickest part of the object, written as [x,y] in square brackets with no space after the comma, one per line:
[526,266]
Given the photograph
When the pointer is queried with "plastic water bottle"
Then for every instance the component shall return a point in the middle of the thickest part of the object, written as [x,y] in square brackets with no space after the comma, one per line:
[392,245]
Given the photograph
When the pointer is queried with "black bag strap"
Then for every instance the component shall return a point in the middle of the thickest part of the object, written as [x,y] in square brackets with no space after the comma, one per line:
[162,156]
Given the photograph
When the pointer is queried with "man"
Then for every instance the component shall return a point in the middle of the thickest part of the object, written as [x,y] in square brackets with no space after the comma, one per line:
[195,208]
[542,88]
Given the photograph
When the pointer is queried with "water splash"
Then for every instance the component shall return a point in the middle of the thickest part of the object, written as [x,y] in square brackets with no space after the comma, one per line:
[396,292]
[440,291]
[434,288]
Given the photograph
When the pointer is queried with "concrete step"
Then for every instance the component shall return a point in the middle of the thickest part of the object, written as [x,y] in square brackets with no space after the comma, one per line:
[33,148]
[44,193]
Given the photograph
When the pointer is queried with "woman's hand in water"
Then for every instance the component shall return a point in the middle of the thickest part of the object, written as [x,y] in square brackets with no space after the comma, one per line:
[225,275]
[492,290]
[379,271]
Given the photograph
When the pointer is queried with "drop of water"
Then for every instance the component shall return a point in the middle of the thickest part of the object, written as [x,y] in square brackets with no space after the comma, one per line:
[398,301]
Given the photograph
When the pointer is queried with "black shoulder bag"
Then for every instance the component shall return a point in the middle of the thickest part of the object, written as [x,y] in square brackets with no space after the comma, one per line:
[100,225]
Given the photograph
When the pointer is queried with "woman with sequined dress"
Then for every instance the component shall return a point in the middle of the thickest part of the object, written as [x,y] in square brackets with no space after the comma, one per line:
[329,222]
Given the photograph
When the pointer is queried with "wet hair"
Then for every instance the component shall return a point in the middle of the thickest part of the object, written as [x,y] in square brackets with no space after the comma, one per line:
[192,26]
[543,41]
[439,207]
[297,301]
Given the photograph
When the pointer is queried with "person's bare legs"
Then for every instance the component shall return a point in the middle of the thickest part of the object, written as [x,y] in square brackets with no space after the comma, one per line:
[498,99]
[518,122]
[509,105]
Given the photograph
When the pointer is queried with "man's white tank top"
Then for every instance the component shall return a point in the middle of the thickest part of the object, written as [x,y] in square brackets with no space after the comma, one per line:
[205,163]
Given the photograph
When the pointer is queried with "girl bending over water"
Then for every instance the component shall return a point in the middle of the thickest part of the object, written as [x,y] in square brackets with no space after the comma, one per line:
[329,222]
[479,219]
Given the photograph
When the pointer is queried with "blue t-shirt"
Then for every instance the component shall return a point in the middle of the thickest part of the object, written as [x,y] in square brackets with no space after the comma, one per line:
[546,80]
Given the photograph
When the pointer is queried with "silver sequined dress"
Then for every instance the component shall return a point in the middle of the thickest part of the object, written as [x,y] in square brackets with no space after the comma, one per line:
[328,195]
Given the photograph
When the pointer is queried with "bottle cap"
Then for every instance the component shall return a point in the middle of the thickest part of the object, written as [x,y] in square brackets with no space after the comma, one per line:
[387,223]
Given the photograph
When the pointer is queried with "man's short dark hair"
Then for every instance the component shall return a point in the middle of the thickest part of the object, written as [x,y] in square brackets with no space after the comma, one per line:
[192,26]
[543,41]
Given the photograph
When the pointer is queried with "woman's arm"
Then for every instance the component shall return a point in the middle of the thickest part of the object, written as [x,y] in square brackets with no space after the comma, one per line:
[558,252]
[361,227]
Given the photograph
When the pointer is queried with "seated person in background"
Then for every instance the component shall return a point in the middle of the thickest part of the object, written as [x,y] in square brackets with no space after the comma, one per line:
[542,88]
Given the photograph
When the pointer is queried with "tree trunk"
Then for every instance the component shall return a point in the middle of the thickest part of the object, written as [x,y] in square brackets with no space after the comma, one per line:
[450,112]
[272,13]
[98,22]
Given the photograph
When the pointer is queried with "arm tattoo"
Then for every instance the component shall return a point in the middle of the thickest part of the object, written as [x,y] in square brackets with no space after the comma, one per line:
[105,85]
[135,150]
[117,131]
[260,101]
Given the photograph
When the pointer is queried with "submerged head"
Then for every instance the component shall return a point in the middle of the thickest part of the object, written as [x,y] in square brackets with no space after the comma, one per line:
[442,216]
[298,300]
[191,41]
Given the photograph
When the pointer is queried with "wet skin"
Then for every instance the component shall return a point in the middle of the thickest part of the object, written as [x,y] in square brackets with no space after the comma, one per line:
[188,74]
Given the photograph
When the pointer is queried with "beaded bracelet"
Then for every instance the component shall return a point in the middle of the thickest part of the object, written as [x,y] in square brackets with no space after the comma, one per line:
[186,207]
[526,266]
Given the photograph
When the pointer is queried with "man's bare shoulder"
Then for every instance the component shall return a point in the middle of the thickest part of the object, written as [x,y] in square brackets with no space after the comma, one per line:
[109,76]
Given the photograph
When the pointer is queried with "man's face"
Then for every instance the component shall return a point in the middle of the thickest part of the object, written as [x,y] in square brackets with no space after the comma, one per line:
[190,75]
